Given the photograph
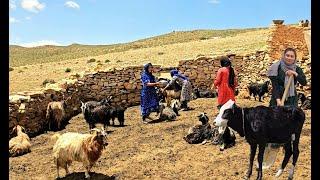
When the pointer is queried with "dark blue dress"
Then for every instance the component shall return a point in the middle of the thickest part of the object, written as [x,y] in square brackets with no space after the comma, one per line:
[149,98]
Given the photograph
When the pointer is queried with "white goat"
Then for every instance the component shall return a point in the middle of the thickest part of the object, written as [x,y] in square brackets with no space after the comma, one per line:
[20,144]
[85,148]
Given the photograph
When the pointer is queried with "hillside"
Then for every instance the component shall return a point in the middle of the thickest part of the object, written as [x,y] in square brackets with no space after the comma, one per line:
[31,77]
[21,56]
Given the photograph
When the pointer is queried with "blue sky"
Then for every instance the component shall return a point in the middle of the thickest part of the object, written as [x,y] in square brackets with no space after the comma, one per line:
[63,22]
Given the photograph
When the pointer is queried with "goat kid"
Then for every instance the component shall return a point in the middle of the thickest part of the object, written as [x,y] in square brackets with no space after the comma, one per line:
[261,125]
[85,148]
[199,133]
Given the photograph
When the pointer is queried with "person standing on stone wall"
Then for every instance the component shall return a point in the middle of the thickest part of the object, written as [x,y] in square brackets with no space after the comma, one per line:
[186,92]
[225,82]
[149,97]
[279,74]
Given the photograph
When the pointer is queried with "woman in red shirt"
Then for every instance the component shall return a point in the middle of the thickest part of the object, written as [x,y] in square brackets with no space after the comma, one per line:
[225,82]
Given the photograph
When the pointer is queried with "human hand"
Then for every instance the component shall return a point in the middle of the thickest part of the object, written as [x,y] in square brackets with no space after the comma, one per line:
[279,103]
[290,72]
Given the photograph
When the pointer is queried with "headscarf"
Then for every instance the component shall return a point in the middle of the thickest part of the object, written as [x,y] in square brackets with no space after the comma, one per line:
[146,68]
[175,72]
[146,73]
[273,70]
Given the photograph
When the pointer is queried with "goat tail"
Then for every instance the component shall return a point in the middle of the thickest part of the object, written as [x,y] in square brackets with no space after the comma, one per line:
[54,138]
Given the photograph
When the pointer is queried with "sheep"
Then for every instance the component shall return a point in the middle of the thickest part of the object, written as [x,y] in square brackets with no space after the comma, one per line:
[258,89]
[261,125]
[199,133]
[55,114]
[85,148]
[20,144]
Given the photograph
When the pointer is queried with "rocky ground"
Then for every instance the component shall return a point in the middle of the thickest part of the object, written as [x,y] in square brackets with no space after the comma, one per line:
[157,151]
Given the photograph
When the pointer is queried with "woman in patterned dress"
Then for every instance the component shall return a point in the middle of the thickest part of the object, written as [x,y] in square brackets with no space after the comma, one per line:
[149,98]
[186,91]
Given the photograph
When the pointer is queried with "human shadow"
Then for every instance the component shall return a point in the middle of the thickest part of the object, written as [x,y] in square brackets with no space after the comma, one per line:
[93,176]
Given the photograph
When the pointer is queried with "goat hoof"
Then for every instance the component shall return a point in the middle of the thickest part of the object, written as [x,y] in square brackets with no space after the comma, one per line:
[279,172]
[246,177]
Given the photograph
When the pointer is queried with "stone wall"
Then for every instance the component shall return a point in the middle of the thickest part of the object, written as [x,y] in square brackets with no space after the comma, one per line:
[29,108]
[282,37]
[202,71]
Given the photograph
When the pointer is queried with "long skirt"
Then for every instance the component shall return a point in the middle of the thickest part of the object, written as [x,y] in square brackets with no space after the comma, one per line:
[186,91]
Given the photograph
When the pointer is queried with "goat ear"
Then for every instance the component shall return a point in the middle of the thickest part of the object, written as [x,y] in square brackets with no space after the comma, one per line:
[233,108]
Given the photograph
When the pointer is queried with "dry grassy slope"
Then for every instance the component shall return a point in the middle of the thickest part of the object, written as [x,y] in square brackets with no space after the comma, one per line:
[30,77]
[20,56]
[157,151]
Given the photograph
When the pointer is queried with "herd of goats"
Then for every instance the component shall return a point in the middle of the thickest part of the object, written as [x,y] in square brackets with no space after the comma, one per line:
[259,125]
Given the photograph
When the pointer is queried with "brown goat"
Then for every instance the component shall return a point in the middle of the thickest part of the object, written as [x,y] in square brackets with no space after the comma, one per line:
[85,148]
[55,114]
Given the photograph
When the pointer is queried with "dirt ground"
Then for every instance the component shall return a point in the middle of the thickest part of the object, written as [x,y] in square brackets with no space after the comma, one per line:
[157,151]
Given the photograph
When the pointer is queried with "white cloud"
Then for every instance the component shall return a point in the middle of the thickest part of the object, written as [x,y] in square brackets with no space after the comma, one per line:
[214,1]
[40,43]
[28,18]
[72,4]
[13,20]
[32,5]
[12,4]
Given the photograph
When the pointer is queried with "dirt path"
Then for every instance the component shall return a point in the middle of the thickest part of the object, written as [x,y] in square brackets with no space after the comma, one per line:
[157,151]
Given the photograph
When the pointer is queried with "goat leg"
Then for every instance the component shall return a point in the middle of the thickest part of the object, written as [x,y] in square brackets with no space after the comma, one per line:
[260,159]
[288,153]
[87,175]
[253,148]
[57,169]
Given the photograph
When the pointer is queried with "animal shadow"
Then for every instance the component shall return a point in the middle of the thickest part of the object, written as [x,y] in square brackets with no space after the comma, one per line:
[118,125]
[158,121]
[93,176]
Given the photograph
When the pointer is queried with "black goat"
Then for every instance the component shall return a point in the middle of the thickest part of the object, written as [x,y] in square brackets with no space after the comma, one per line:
[199,133]
[261,125]
[200,93]
[100,114]
[256,89]
[303,101]
[117,112]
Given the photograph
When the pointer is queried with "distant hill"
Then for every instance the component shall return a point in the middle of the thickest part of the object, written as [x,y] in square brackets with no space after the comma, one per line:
[20,56]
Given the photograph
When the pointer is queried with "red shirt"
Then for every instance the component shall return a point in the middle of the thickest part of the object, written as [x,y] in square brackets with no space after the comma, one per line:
[225,92]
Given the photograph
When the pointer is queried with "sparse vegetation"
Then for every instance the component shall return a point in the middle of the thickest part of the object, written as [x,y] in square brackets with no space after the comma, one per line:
[11,69]
[19,56]
[91,60]
[106,61]
[46,81]
[67,70]
[118,61]
[20,71]
[204,38]
[160,53]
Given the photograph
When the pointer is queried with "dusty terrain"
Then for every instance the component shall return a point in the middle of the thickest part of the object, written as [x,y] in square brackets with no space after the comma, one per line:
[157,151]
[31,77]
